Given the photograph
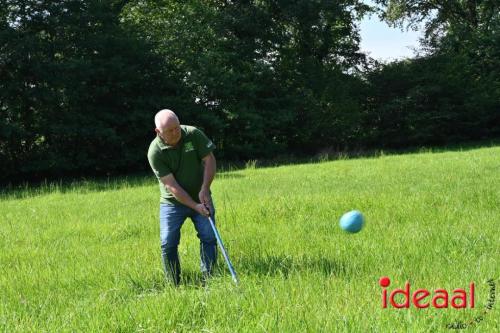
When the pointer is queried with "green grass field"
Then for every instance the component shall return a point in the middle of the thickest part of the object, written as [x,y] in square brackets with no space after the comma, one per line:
[86,257]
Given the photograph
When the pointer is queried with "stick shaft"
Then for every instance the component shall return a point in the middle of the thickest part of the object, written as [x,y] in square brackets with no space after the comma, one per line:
[223,250]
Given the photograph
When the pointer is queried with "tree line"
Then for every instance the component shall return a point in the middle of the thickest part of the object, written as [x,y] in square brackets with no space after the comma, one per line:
[80,80]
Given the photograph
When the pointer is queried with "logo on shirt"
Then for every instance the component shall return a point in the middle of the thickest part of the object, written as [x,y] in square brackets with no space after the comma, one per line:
[210,144]
[188,147]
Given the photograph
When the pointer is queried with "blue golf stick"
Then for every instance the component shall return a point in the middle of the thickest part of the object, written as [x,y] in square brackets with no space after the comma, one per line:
[223,250]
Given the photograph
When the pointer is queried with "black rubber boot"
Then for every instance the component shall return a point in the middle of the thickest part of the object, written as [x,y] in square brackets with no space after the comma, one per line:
[171,265]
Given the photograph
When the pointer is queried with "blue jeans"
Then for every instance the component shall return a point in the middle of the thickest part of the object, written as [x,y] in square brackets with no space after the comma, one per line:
[172,218]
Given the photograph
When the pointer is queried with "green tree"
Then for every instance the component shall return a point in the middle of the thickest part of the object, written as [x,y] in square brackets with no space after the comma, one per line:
[440,15]
[450,94]
[266,76]
[78,90]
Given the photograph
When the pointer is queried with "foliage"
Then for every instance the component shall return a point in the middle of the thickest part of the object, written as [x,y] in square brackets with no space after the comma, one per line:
[77,89]
[81,80]
[450,94]
[266,75]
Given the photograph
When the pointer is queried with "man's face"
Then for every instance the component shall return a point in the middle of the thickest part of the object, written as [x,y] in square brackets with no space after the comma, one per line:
[171,133]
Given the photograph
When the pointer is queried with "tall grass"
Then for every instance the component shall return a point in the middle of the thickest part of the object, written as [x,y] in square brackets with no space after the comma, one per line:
[85,256]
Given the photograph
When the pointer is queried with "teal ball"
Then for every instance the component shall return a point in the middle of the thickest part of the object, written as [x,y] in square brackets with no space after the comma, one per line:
[352,221]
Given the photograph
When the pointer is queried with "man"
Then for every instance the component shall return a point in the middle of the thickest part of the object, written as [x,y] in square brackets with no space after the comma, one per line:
[181,158]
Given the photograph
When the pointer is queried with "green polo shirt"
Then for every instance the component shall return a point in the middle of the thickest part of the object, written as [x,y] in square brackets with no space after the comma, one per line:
[184,161]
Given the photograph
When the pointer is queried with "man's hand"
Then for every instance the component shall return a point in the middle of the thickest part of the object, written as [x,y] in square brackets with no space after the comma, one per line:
[204,197]
[201,209]
[209,166]
[181,195]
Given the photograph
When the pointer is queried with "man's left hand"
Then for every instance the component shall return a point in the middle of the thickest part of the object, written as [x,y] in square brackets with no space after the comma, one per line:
[205,198]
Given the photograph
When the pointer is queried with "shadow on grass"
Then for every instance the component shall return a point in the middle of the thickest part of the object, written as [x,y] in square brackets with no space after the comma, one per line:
[270,265]
[333,154]
[150,284]
[226,170]
[84,185]
[156,283]
[281,265]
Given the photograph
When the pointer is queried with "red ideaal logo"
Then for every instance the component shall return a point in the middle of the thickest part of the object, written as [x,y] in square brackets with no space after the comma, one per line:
[439,299]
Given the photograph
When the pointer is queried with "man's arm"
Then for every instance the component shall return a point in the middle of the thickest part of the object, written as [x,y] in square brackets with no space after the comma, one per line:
[210,166]
[181,195]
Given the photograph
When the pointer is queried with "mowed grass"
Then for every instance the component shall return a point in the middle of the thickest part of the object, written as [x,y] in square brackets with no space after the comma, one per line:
[86,257]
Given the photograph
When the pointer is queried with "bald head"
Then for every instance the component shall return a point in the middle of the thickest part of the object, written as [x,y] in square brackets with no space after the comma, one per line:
[168,126]
[164,117]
